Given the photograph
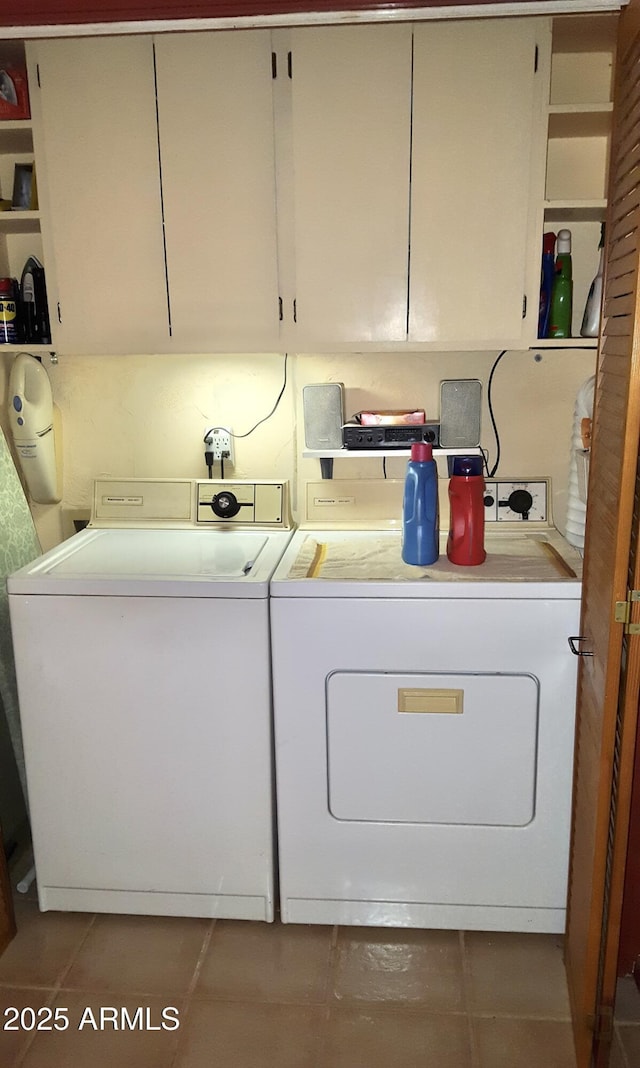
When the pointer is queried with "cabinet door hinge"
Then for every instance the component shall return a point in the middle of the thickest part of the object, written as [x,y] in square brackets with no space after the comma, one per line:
[601,1023]
[524,306]
[274,65]
[622,612]
[535,61]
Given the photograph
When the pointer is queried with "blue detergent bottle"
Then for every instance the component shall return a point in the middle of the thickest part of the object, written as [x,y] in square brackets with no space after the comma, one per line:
[420,517]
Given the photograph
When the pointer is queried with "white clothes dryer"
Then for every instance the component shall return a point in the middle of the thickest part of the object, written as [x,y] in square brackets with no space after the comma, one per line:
[424,726]
[143,666]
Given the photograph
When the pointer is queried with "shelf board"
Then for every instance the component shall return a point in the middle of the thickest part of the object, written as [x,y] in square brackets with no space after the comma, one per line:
[575,210]
[566,343]
[27,346]
[580,120]
[20,222]
[16,136]
[357,454]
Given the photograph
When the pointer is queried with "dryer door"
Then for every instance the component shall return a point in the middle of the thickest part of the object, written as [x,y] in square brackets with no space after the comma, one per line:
[432,748]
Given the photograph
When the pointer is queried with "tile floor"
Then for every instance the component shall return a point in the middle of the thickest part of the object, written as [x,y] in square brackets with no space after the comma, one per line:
[625,1052]
[251,995]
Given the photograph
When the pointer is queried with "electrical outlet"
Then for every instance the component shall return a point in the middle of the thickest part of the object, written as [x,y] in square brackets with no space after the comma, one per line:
[221,444]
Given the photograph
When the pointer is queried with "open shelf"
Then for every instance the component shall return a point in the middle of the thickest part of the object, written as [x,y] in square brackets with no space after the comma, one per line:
[16,136]
[28,346]
[566,343]
[356,454]
[575,210]
[580,120]
[20,222]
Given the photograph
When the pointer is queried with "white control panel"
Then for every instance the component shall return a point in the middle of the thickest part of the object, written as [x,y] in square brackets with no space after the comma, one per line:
[242,503]
[513,501]
[167,502]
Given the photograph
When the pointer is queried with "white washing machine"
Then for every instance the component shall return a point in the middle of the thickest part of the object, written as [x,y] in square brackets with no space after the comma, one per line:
[143,665]
[424,726]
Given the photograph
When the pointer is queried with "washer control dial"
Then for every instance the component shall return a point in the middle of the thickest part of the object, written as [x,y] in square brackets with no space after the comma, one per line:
[517,502]
[225,505]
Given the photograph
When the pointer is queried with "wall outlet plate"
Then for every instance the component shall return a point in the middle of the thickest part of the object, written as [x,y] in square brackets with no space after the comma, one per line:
[516,501]
[221,444]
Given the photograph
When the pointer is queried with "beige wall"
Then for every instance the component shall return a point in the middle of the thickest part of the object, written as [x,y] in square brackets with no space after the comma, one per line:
[146,416]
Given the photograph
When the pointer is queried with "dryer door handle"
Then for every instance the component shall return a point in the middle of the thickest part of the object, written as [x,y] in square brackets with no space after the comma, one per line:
[572,645]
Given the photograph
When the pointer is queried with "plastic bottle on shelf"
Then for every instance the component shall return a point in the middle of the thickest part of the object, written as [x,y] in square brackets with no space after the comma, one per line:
[420,516]
[465,544]
[562,293]
[593,308]
[546,282]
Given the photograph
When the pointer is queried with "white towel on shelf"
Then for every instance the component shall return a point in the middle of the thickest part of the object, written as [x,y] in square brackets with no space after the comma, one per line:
[19,545]
[579,466]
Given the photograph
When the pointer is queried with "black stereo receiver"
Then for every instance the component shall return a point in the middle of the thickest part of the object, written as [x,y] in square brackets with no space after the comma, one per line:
[355,436]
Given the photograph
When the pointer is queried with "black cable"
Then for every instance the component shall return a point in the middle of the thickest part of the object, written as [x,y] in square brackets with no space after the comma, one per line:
[485,460]
[208,456]
[493,422]
[278,399]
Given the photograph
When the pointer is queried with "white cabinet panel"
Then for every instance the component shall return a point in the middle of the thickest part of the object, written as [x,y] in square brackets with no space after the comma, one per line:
[351,94]
[215,115]
[99,146]
[471,180]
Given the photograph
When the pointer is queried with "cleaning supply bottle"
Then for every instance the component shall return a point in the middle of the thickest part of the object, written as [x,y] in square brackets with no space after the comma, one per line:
[562,294]
[420,517]
[546,282]
[9,326]
[465,544]
[593,308]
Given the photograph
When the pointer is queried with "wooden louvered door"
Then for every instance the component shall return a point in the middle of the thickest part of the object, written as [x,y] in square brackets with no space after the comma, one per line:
[609,675]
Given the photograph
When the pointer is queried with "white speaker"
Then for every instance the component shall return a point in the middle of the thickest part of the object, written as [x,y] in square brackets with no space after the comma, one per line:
[323,415]
[460,411]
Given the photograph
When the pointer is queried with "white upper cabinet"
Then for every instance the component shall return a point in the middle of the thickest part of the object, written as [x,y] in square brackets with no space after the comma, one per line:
[215,115]
[97,158]
[350,143]
[316,189]
[413,154]
[476,127]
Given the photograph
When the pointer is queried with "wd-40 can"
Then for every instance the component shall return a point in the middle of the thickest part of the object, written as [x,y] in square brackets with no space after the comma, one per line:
[8,312]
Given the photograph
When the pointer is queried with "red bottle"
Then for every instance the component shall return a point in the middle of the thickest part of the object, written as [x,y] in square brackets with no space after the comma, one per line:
[465,544]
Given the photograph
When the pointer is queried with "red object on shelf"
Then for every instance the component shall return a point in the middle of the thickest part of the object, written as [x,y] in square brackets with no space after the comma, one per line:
[14,92]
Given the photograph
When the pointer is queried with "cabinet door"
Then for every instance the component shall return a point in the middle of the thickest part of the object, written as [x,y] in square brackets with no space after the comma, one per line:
[351,126]
[102,186]
[215,116]
[473,116]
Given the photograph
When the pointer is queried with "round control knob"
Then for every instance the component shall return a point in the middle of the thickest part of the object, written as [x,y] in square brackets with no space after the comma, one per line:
[520,501]
[225,505]
[489,500]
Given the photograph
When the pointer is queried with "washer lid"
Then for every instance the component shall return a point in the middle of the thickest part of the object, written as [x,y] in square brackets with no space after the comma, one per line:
[134,562]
